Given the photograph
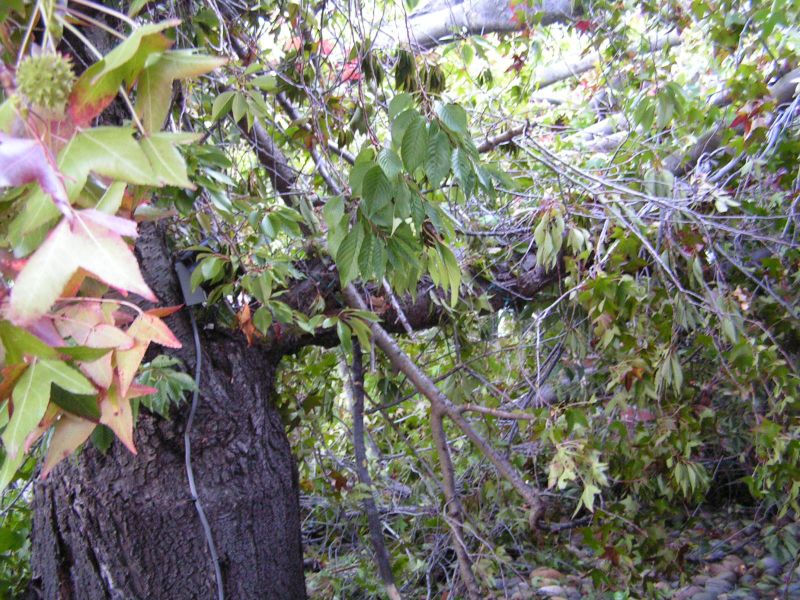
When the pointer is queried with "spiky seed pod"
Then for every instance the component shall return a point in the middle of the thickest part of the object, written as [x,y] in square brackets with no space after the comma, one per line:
[46,81]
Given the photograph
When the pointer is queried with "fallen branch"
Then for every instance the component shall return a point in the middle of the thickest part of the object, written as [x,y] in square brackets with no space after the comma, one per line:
[373,519]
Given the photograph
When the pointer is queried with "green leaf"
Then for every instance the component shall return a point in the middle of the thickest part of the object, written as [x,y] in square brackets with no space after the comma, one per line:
[345,336]
[587,497]
[462,167]
[454,118]
[30,397]
[453,272]
[262,319]
[9,468]
[66,377]
[100,83]
[389,162]
[108,151]
[400,124]
[168,164]
[154,87]
[221,106]
[347,256]
[81,244]
[400,103]
[267,83]
[83,405]
[18,343]
[414,147]
[372,258]
[377,194]
[239,107]
[437,165]
[111,200]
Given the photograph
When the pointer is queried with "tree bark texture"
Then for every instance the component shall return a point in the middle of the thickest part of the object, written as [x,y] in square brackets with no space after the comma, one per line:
[119,526]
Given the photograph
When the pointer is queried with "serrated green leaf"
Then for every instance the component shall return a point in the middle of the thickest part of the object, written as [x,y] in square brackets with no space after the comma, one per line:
[347,255]
[437,165]
[414,147]
[221,106]
[462,167]
[262,319]
[400,103]
[377,194]
[453,117]
[400,124]
[239,107]
[389,162]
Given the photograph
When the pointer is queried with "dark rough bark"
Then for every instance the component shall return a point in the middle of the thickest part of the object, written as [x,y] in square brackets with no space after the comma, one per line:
[121,526]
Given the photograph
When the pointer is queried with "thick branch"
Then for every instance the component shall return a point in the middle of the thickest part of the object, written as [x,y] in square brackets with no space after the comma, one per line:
[441,21]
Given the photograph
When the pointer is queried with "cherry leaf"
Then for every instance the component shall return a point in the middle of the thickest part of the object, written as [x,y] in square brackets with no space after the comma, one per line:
[80,244]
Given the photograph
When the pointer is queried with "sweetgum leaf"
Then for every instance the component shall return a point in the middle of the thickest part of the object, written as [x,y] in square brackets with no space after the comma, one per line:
[24,160]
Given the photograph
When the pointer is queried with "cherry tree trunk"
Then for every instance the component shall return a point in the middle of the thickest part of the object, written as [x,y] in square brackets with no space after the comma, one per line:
[119,526]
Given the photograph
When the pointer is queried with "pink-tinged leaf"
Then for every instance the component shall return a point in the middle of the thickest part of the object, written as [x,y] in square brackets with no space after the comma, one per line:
[10,374]
[116,414]
[351,71]
[69,433]
[31,396]
[99,371]
[124,227]
[99,84]
[149,328]
[108,336]
[146,328]
[50,415]
[137,390]
[128,362]
[23,161]
[164,311]
[78,320]
[45,330]
[80,244]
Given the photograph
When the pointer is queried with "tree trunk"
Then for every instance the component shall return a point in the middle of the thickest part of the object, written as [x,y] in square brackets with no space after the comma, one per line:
[120,526]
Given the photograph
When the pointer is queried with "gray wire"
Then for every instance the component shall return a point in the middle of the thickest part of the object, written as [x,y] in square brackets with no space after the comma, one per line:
[212,549]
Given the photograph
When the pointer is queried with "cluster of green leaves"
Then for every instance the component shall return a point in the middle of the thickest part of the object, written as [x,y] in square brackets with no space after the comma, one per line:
[393,224]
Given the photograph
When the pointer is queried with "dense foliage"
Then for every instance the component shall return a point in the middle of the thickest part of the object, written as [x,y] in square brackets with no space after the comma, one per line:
[585,233]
